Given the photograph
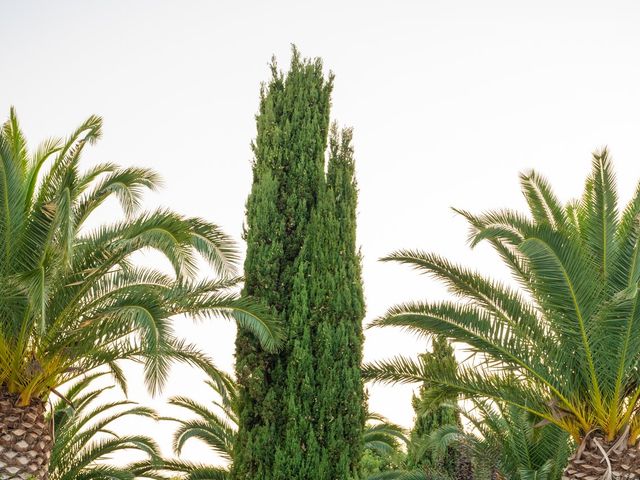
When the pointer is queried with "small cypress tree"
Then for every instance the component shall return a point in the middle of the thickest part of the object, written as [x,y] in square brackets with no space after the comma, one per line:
[430,417]
[301,411]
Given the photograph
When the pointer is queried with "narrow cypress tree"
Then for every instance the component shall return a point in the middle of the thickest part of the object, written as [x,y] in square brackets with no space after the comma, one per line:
[301,411]
[430,416]
[343,401]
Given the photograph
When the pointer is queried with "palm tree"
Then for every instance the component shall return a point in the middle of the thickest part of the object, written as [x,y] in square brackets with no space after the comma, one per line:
[84,438]
[505,443]
[564,345]
[71,298]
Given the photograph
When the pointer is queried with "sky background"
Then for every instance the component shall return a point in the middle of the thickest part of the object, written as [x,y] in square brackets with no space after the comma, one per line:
[449,101]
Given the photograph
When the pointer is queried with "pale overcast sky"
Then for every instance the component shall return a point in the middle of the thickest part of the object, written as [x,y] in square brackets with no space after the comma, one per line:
[449,100]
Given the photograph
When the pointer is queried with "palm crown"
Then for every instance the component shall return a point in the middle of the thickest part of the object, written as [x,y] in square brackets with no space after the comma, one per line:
[505,443]
[564,346]
[71,298]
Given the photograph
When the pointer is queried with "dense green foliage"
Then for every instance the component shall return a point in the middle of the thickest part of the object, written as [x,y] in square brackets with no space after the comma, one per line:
[565,348]
[215,424]
[433,412]
[71,298]
[301,411]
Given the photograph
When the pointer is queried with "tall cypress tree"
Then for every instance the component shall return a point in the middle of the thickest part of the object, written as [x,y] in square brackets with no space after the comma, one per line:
[301,411]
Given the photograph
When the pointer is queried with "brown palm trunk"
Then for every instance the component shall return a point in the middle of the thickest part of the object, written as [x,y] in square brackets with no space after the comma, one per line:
[597,459]
[464,467]
[25,439]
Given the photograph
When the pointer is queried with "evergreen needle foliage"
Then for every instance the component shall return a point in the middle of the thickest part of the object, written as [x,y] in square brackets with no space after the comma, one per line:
[215,424]
[301,411]
[433,411]
[564,348]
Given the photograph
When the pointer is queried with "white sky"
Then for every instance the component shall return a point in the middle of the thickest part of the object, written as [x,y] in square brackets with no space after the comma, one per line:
[448,100]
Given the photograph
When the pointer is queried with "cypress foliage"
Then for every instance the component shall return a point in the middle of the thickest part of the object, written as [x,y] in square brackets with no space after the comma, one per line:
[301,411]
[430,417]
[344,410]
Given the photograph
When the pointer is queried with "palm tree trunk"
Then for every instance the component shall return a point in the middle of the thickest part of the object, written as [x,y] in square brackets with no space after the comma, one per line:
[599,460]
[464,467]
[25,439]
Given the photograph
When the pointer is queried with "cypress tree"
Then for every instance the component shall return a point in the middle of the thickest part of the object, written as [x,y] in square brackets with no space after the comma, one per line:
[430,416]
[301,411]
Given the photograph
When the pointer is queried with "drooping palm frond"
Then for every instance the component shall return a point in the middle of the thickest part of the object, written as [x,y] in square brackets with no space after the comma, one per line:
[382,436]
[85,438]
[71,298]
[386,443]
[213,423]
[562,345]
